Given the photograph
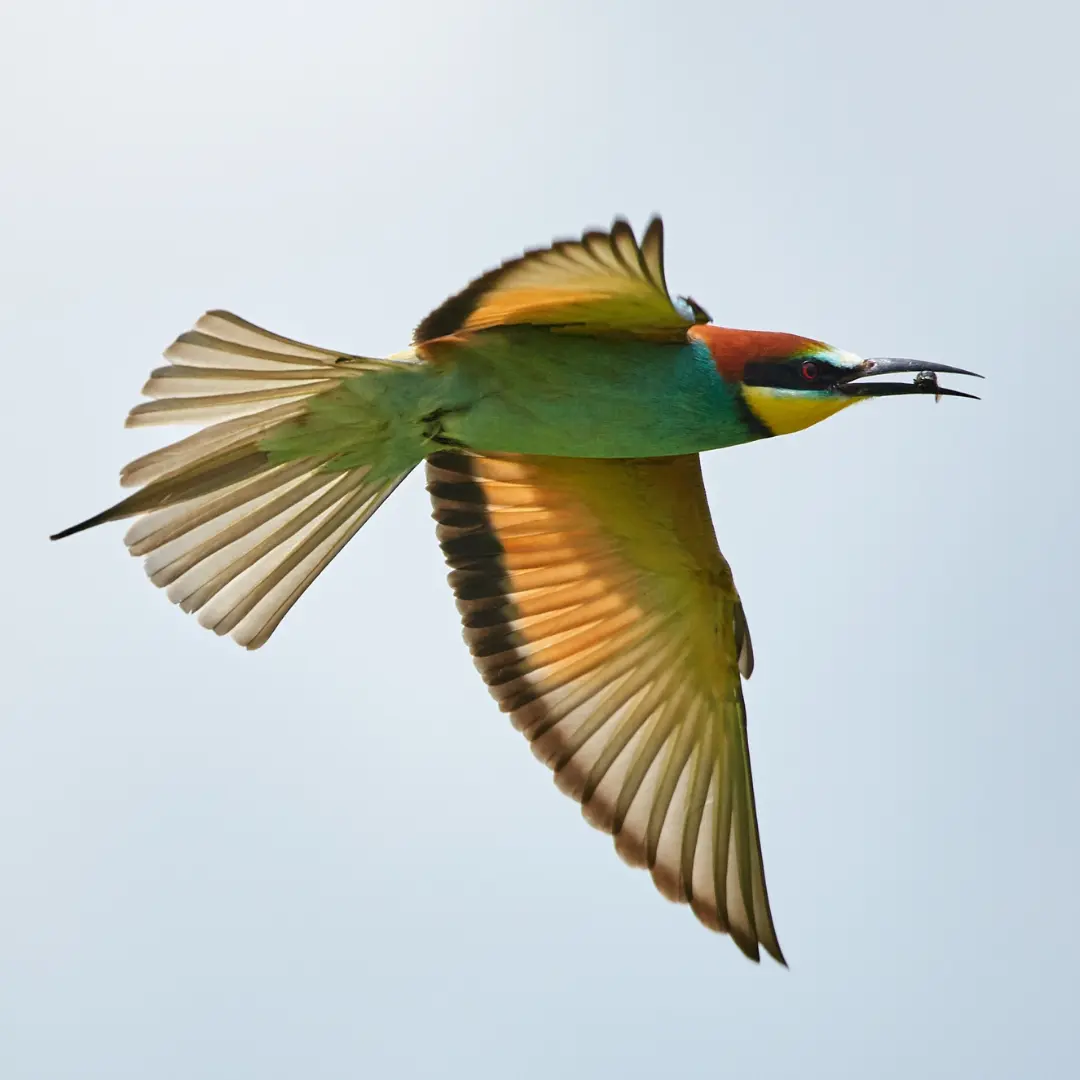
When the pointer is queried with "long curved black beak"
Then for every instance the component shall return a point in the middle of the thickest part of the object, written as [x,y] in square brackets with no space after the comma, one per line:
[925,378]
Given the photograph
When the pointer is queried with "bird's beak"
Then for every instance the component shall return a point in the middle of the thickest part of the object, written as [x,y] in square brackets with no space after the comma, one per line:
[925,378]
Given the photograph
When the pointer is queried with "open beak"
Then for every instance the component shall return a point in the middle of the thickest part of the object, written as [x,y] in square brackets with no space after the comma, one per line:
[925,378]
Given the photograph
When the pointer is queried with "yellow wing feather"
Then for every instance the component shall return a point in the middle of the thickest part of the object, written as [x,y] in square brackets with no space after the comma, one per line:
[604,283]
[604,619]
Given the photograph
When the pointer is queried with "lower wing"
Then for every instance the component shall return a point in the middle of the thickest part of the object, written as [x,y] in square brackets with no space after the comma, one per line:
[603,617]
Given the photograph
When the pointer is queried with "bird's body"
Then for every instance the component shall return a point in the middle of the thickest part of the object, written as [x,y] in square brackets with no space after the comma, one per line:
[560,403]
[531,391]
[582,397]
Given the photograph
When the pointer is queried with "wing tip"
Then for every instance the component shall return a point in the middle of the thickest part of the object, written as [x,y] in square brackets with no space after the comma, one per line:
[773,949]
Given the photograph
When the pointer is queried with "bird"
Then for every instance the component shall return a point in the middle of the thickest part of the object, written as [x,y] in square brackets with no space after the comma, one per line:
[560,404]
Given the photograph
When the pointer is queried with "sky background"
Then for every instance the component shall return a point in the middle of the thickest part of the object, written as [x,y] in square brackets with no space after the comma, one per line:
[334,857]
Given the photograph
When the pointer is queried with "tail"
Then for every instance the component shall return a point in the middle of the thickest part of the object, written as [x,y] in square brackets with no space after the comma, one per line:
[239,519]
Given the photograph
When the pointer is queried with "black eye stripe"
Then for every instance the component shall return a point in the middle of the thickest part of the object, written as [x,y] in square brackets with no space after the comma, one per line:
[792,374]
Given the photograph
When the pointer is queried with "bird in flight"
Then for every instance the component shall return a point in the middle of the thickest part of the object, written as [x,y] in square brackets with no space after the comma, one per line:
[560,403]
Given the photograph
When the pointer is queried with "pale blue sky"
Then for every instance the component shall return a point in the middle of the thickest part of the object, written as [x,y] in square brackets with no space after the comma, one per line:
[335,858]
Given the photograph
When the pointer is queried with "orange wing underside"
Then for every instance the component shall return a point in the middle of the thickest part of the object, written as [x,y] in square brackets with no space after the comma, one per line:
[602,615]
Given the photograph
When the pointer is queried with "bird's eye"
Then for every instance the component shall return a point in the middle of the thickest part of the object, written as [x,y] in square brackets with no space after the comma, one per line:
[810,370]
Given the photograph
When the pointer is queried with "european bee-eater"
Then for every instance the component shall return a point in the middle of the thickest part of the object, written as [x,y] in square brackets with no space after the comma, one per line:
[560,403]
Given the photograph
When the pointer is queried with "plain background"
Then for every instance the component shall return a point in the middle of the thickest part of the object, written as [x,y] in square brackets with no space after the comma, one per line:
[334,858]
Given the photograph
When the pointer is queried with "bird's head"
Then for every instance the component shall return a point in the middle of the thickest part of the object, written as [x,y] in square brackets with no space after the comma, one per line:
[789,382]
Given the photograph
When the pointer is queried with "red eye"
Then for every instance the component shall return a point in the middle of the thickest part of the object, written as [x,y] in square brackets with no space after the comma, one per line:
[809,370]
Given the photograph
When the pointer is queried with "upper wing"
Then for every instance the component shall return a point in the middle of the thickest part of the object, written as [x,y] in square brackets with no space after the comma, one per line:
[603,283]
[604,619]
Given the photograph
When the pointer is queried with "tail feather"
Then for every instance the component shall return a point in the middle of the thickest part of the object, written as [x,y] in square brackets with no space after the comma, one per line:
[232,531]
[189,380]
[250,596]
[174,459]
[159,527]
[203,348]
[207,407]
[213,523]
[225,327]
[199,349]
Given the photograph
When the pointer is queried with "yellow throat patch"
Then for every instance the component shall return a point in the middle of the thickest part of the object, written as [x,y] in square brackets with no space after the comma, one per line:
[785,411]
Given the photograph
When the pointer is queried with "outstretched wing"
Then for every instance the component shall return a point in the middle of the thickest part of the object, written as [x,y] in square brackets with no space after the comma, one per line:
[604,283]
[603,617]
